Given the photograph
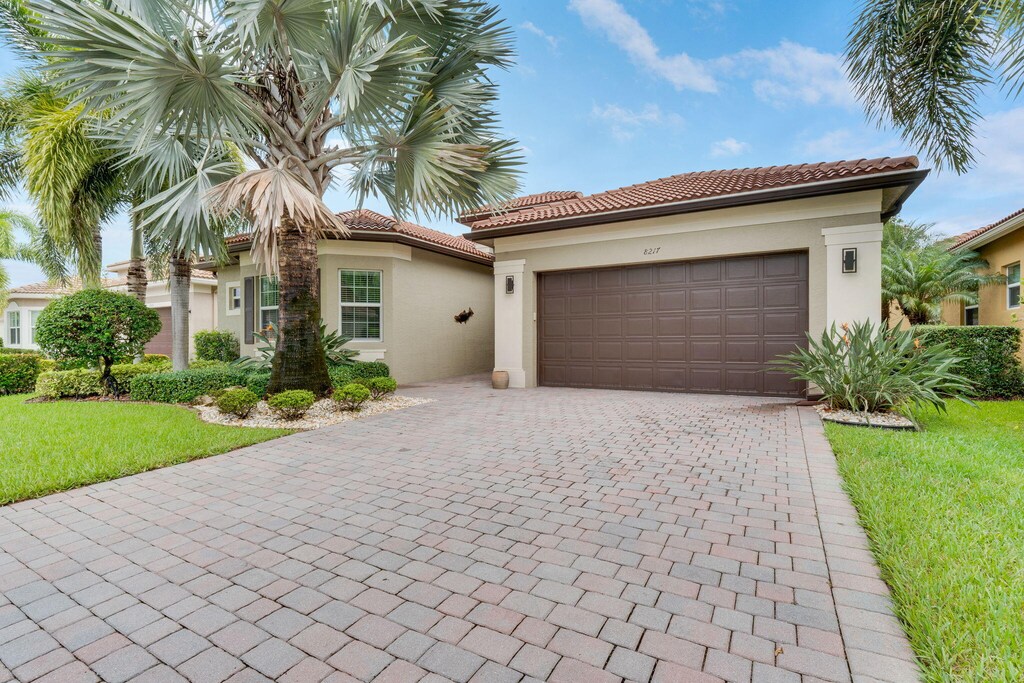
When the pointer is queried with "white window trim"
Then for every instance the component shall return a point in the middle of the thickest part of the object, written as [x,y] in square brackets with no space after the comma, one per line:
[8,328]
[227,295]
[379,306]
[261,307]
[1012,285]
[970,308]
[31,330]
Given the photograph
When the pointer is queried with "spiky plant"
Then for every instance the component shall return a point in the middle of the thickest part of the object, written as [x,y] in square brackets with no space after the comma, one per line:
[397,91]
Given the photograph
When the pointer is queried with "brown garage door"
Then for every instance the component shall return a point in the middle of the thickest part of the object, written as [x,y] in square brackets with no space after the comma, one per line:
[700,326]
[161,343]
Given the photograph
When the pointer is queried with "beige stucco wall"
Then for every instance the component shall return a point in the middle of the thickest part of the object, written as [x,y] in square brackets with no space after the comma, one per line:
[820,226]
[421,293]
[992,302]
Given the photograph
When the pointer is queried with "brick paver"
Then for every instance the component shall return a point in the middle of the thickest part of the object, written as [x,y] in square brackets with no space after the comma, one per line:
[549,534]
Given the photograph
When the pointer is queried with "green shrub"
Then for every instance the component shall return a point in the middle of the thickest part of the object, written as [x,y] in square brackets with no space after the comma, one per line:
[205,364]
[18,372]
[351,396]
[346,374]
[291,405]
[237,402]
[989,354]
[47,365]
[380,387]
[155,358]
[97,326]
[69,384]
[257,383]
[185,385]
[869,369]
[19,352]
[125,373]
[216,345]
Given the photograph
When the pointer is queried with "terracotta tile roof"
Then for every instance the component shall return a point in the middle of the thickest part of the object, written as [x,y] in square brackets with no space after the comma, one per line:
[966,237]
[75,284]
[360,220]
[697,185]
[525,202]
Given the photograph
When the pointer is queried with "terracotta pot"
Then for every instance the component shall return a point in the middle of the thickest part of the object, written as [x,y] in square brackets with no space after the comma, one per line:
[499,379]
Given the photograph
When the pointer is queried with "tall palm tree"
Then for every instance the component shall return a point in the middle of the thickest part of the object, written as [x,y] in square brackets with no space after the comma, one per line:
[39,250]
[397,90]
[920,273]
[921,66]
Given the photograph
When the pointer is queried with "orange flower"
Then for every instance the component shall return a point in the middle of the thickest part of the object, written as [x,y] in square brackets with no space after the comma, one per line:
[917,343]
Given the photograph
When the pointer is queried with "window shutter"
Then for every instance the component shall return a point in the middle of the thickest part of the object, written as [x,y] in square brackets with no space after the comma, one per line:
[249,305]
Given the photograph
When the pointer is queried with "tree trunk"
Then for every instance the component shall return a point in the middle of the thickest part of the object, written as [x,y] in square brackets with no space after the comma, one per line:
[181,281]
[137,278]
[299,361]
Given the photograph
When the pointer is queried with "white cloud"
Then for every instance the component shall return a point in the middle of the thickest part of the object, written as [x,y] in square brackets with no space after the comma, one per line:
[551,40]
[626,123]
[846,143]
[792,74]
[707,9]
[622,29]
[729,147]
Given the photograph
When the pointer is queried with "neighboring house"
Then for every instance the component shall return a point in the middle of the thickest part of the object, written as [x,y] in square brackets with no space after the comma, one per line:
[27,301]
[392,286]
[1002,245]
[689,283]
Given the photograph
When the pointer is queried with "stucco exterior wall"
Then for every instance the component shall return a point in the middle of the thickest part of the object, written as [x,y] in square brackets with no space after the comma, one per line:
[421,292]
[25,305]
[992,301]
[821,226]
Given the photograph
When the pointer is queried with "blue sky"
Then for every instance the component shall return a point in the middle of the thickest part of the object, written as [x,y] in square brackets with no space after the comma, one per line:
[613,92]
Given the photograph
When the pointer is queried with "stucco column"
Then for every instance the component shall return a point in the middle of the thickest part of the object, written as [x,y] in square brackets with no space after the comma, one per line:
[508,321]
[853,297]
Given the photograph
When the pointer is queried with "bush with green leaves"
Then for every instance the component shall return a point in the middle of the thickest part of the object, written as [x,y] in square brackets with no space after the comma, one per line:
[216,345]
[185,385]
[257,382]
[237,402]
[266,346]
[345,374]
[155,358]
[18,372]
[990,356]
[379,386]
[205,364]
[69,384]
[97,326]
[351,396]
[292,405]
[873,369]
[20,352]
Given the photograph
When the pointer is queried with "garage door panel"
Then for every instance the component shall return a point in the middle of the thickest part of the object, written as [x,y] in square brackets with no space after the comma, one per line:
[699,326]
[163,342]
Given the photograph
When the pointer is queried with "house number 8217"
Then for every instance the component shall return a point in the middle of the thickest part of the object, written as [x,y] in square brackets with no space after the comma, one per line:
[651,250]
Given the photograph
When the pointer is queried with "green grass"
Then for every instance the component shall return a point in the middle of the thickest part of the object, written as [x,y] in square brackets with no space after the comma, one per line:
[944,509]
[47,447]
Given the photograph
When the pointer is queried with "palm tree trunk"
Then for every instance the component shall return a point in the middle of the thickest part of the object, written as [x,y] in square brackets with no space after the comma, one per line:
[137,279]
[181,282]
[299,361]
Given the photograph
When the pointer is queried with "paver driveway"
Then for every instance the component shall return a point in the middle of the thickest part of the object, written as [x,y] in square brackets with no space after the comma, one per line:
[556,534]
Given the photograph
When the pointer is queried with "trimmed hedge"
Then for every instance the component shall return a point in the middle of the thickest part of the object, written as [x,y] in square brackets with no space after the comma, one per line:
[346,374]
[84,382]
[185,385]
[351,396]
[216,345]
[237,402]
[257,383]
[18,372]
[291,405]
[4,350]
[204,364]
[990,356]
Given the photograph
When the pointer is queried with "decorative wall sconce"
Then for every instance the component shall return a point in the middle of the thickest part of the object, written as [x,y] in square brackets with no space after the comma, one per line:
[850,260]
[510,284]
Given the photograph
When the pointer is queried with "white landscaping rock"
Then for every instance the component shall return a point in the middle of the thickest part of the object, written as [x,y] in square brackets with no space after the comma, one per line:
[880,420]
[321,414]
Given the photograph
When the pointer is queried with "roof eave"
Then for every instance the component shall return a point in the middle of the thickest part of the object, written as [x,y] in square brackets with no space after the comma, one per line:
[992,234]
[908,180]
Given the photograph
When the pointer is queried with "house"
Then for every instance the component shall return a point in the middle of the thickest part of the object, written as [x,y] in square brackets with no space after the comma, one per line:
[394,287]
[688,283]
[26,302]
[1002,245]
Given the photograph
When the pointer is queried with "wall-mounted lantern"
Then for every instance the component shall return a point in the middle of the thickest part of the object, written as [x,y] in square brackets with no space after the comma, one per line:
[510,284]
[850,260]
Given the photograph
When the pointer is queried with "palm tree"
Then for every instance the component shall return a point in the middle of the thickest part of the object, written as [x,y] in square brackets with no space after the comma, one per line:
[397,90]
[921,66]
[39,250]
[920,273]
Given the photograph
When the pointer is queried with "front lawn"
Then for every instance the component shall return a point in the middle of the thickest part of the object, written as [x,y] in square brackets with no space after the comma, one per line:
[47,447]
[944,509]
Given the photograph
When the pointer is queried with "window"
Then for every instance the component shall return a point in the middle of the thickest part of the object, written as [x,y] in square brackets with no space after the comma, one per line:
[234,298]
[971,315]
[360,304]
[33,318]
[1013,286]
[14,328]
[269,299]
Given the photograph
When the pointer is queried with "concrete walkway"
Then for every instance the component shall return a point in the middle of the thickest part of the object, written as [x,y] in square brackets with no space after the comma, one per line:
[549,534]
